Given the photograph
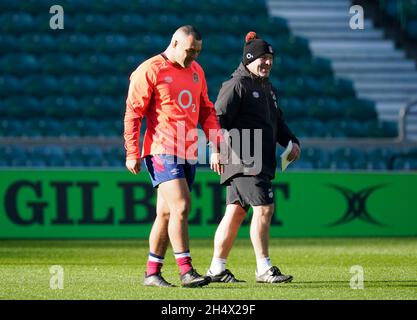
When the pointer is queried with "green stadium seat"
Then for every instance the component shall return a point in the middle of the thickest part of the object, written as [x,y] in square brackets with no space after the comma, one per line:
[19,64]
[37,43]
[147,44]
[39,85]
[50,127]
[128,23]
[11,127]
[17,23]
[9,86]
[112,85]
[126,64]
[97,107]
[206,23]
[293,46]
[95,64]
[337,88]
[285,65]
[59,64]
[110,43]
[317,67]
[78,85]
[91,23]
[323,109]
[8,44]
[61,107]
[292,107]
[75,43]
[334,129]
[162,24]
[22,107]
[359,109]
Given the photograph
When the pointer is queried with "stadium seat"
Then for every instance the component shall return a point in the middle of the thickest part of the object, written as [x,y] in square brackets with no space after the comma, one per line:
[112,85]
[337,88]
[147,44]
[17,23]
[11,127]
[324,109]
[110,43]
[59,64]
[91,23]
[22,107]
[162,24]
[38,85]
[78,85]
[293,108]
[61,107]
[95,64]
[359,109]
[128,23]
[36,43]
[316,67]
[19,64]
[75,43]
[8,44]
[9,86]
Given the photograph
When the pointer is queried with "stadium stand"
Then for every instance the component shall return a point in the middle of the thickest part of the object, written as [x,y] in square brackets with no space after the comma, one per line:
[72,83]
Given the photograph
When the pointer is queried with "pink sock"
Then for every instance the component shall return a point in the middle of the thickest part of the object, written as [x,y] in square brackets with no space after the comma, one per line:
[154,264]
[183,262]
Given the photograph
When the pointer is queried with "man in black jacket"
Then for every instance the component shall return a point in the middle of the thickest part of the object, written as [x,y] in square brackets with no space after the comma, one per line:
[248,102]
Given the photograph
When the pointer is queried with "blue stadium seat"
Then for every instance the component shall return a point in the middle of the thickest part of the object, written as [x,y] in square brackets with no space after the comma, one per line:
[75,43]
[110,43]
[17,23]
[61,107]
[91,23]
[8,43]
[128,23]
[9,86]
[324,109]
[22,107]
[11,127]
[112,85]
[359,109]
[95,64]
[19,64]
[37,43]
[78,85]
[39,85]
[292,107]
[59,64]
[126,64]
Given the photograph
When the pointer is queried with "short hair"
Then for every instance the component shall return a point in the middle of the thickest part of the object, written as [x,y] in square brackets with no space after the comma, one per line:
[190,30]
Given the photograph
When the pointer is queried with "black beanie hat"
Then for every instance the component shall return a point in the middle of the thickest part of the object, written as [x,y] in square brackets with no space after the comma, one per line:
[254,48]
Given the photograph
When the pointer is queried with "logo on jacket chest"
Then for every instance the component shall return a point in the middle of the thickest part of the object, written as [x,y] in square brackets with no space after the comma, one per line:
[255,94]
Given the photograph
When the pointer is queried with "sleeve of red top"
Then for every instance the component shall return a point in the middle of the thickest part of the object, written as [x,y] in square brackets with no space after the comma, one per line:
[139,95]
[207,117]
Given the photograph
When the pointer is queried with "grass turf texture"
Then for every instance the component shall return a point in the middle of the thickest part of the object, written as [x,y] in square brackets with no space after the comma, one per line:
[103,269]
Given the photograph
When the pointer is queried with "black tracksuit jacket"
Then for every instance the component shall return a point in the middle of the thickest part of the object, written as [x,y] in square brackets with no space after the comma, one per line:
[249,102]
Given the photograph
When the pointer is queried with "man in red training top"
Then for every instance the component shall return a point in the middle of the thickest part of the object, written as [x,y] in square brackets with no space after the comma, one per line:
[170,90]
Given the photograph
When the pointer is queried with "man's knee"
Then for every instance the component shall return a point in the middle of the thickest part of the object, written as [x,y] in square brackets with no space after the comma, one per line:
[181,209]
[264,211]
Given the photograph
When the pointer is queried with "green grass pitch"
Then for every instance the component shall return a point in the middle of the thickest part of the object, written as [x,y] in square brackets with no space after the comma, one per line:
[113,269]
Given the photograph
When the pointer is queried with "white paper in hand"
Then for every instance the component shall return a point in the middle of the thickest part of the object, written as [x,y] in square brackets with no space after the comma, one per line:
[284,156]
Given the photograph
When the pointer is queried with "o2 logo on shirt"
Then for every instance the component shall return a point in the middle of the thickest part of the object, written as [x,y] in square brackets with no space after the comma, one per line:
[185,100]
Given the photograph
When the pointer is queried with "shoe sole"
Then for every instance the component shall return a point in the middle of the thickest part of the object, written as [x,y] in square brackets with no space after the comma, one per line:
[197,283]
[285,281]
[159,286]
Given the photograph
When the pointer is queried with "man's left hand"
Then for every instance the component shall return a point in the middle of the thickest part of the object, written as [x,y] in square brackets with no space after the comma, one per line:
[295,153]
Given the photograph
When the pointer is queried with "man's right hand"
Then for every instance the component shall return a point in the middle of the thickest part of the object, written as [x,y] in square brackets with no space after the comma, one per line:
[133,165]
